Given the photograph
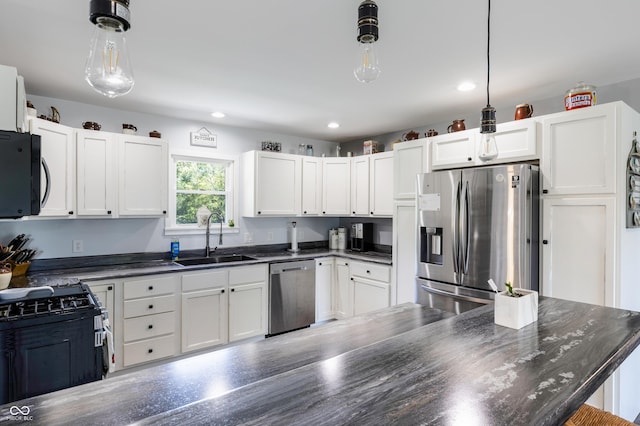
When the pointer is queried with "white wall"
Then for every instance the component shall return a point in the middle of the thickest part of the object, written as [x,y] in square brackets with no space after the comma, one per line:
[53,237]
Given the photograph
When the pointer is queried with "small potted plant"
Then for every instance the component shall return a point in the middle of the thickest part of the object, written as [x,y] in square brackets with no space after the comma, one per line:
[515,307]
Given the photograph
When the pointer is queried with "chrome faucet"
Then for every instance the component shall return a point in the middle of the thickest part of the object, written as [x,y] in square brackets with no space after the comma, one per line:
[207,249]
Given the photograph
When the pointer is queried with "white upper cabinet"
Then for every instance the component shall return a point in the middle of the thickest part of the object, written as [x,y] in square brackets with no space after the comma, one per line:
[95,173]
[311,185]
[409,159]
[454,149]
[578,152]
[272,184]
[336,186]
[381,184]
[516,141]
[58,168]
[360,185]
[143,172]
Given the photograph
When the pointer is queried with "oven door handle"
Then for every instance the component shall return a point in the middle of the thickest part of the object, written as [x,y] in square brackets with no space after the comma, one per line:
[455,296]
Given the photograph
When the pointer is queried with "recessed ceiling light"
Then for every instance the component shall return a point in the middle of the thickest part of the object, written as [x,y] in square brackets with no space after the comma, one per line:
[217,114]
[333,125]
[466,86]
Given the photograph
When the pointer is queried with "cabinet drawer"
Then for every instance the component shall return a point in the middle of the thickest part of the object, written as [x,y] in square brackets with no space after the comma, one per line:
[149,305]
[371,271]
[248,274]
[153,286]
[205,280]
[148,350]
[149,326]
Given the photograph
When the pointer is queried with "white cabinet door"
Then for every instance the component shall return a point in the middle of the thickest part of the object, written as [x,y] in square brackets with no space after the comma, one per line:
[381,184]
[336,186]
[516,141]
[58,168]
[578,249]
[272,184]
[324,288]
[311,185]
[105,293]
[578,151]
[344,290]
[360,185]
[96,173]
[369,295]
[409,159]
[405,251]
[247,310]
[248,302]
[454,150]
[143,171]
[204,318]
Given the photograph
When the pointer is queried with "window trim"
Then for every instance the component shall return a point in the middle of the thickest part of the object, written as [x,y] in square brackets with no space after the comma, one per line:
[170,227]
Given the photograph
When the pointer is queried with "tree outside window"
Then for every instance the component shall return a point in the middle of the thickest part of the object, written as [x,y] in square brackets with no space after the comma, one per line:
[202,183]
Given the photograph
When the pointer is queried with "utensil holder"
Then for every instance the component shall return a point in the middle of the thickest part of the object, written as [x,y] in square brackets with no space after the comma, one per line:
[516,312]
[19,268]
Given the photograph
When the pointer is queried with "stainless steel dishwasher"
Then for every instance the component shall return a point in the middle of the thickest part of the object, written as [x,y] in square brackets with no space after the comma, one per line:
[292,295]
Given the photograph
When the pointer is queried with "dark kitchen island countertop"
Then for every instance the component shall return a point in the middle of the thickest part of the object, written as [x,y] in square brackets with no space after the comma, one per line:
[393,366]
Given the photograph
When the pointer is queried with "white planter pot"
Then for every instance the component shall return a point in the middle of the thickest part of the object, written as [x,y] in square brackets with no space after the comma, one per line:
[516,312]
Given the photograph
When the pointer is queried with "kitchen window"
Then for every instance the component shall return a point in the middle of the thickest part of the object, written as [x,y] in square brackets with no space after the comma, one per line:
[196,182]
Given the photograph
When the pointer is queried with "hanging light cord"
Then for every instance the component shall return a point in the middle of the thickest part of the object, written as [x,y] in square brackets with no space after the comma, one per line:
[488,56]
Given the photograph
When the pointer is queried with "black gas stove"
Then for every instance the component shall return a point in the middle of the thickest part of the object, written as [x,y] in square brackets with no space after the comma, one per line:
[47,301]
[51,338]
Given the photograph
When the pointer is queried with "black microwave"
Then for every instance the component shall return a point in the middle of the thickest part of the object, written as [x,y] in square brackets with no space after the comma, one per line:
[20,158]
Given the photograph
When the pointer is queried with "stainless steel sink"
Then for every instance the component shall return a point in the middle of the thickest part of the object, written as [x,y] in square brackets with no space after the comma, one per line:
[214,259]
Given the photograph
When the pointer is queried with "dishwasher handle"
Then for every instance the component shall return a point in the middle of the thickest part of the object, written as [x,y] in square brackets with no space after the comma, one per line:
[304,265]
[300,268]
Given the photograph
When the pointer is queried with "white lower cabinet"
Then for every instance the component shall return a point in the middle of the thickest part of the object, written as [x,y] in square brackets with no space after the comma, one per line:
[577,249]
[344,289]
[248,302]
[150,322]
[405,252]
[105,292]
[204,309]
[371,286]
[223,305]
[324,288]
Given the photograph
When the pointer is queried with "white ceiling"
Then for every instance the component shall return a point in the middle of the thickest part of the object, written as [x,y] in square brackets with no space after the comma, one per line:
[286,65]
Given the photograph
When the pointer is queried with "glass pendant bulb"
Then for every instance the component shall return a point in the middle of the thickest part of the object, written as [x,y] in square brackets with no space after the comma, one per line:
[368,68]
[108,69]
[488,147]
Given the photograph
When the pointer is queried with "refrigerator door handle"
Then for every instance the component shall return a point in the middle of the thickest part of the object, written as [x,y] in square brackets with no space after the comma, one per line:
[467,234]
[456,231]
[455,296]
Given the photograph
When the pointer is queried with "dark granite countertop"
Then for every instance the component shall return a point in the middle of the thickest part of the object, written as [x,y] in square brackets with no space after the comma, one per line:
[459,370]
[100,267]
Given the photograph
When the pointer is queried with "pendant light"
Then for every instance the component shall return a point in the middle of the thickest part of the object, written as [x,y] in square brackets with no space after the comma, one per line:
[108,69]
[488,148]
[368,67]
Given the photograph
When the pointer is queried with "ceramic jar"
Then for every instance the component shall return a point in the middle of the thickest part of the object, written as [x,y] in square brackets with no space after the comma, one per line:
[456,126]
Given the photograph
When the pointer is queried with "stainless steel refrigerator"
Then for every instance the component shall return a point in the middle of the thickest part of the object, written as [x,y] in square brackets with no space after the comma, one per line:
[475,224]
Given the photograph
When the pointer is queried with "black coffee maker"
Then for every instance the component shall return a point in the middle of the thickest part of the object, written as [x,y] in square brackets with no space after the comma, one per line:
[361,236]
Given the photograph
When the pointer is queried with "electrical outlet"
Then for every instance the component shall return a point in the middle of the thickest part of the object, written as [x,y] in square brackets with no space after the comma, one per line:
[77,246]
[248,237]
[269,236]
